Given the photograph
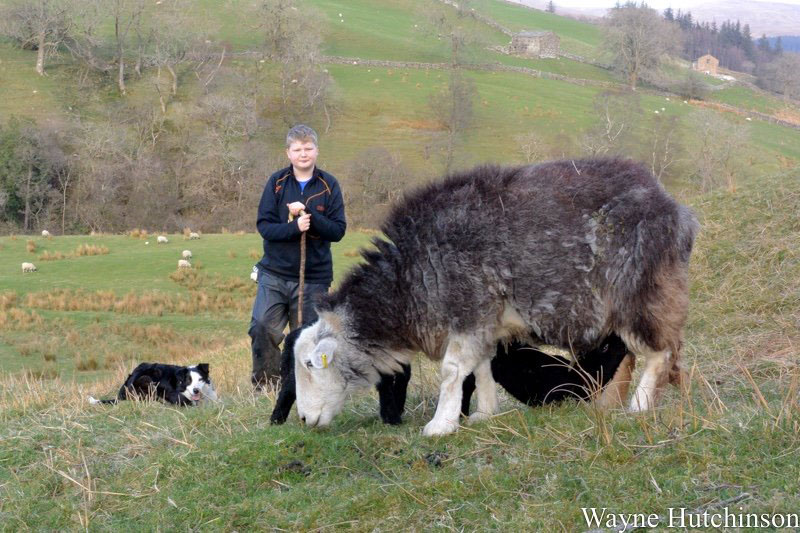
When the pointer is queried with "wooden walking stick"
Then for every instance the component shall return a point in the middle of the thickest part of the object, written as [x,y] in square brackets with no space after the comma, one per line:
[302,281]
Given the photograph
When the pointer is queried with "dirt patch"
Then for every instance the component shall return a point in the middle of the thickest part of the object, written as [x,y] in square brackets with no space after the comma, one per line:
[428,125]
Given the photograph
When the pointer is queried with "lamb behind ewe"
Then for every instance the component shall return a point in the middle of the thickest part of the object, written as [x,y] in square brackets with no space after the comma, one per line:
[183,263]
[28,267]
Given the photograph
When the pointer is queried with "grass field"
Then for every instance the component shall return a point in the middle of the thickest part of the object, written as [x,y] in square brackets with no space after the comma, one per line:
[730,441]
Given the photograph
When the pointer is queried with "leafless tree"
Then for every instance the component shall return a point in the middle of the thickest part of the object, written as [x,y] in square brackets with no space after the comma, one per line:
[292,39]
[40,25]
[662,147]
[376,179]
[717,150]
[531,146]
[617,112]
[638,39]
[783,75]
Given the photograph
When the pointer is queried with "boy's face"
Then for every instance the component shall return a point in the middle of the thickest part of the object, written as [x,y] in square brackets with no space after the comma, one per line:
[302,155]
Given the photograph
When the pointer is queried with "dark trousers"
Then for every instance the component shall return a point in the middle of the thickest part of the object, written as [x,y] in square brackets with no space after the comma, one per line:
[275,306]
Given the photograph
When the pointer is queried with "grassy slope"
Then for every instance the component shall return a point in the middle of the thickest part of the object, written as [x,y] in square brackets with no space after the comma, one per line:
[224,467]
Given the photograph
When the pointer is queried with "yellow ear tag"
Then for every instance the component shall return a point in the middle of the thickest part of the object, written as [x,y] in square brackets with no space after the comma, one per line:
[324,360]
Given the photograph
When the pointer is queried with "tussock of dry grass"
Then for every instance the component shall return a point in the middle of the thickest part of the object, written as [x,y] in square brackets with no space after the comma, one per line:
[52,256]
[137,233]
[31,247]
[146,303]
[90,249]
[254,254]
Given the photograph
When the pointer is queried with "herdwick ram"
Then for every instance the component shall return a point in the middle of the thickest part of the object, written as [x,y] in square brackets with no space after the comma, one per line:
[562,253]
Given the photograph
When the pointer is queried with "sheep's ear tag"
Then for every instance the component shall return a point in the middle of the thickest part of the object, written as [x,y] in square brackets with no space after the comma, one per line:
[322,356]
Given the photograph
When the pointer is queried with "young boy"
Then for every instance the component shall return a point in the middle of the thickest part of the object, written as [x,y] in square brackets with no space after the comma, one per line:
[300,198]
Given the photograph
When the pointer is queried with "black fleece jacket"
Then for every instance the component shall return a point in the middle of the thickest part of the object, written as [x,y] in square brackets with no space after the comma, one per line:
[323,200]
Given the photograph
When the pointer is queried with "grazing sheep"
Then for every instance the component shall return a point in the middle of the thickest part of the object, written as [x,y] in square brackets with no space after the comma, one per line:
[28,267]
[183,263]
[186,254]
[562,253]
[162,239]
[391,388]
[46,234]
[193,236]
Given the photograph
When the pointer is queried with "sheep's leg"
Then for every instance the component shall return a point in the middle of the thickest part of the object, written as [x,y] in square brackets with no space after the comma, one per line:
[487,392]
[462,356]
[655,374]
[615,392]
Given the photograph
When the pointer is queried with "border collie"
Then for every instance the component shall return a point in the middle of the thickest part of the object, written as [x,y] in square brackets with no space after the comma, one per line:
[529,375]
[177,385]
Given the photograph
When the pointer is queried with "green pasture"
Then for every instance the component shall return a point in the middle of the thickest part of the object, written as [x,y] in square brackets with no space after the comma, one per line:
[172,314]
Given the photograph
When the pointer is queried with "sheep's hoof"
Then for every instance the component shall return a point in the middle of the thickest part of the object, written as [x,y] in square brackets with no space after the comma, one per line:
[435,428]
[478,416]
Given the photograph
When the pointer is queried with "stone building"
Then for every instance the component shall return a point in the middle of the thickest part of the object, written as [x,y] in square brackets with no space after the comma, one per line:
[535,44]
[707,64]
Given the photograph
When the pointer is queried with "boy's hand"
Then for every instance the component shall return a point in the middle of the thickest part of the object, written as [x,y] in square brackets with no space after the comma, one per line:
[304,222]
[295,208]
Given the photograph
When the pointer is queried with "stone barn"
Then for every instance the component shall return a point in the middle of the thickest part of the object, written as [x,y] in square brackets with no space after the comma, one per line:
[707,64]
[535,44]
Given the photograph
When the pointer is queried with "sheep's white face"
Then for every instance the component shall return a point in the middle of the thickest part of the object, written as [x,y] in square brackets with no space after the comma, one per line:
[321,389]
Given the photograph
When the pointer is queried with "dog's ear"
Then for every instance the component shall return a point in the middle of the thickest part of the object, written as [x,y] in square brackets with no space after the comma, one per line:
[203,369]
[179,377]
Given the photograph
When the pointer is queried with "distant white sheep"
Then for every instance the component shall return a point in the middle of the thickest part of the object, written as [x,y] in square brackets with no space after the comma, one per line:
[187,254]
[162,239]
[45,234]
[183,263]
[28,267]
[193,235]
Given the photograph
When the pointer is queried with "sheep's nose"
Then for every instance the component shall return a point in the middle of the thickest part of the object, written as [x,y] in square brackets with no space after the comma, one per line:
[303,419]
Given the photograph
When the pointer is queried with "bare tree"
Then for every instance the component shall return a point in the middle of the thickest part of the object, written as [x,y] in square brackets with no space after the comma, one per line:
[716,153]
[40,25]
[783,75]
[376,180]
[618,112]
[531,146]
[453,107]
[662,146]
[638,39]
[126,15]
[292,40]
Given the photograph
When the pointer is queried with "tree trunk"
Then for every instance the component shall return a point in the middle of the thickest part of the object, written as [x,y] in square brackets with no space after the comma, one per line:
[28,198]
[174,79]
[40,54]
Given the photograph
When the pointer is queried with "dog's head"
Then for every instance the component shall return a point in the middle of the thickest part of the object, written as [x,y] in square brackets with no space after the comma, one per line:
[193,381]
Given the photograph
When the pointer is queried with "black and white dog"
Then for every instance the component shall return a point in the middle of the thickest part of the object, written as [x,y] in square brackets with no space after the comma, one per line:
[529,375]
[178,385]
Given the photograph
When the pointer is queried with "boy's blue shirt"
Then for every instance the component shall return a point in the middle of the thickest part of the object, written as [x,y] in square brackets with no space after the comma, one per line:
[322,197]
